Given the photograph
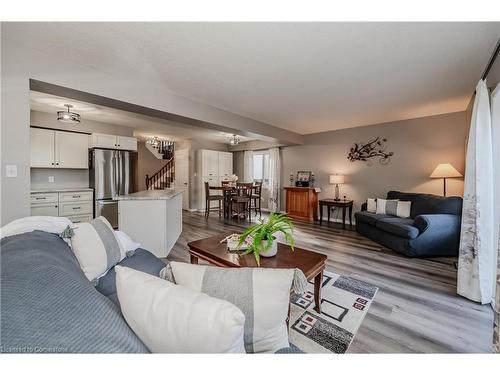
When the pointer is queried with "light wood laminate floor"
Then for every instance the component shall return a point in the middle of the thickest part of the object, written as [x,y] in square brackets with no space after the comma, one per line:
[416,308]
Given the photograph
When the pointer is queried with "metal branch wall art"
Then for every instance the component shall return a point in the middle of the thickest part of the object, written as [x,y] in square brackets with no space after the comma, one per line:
[374,148]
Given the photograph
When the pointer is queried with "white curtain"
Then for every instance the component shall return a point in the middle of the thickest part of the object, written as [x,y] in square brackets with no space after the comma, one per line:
[495,133]
[274,179]
[477,246]
[247,166]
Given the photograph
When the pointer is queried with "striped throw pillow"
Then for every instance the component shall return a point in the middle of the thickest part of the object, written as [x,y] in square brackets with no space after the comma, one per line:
[262,294]
[393,207]
[96,247]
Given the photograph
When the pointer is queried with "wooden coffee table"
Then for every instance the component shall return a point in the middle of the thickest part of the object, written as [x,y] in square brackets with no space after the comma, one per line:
[312,264]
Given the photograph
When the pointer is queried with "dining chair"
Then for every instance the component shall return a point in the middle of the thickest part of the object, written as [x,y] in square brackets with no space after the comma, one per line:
[211,198]
[257,198]
[242,200]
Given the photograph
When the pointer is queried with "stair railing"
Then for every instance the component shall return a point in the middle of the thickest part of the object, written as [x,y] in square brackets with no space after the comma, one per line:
[163,178]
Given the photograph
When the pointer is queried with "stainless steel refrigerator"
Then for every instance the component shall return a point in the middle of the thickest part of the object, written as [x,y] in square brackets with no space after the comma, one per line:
[112,173]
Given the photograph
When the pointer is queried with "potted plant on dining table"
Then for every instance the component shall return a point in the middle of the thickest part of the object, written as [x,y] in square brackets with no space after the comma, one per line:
[261,237]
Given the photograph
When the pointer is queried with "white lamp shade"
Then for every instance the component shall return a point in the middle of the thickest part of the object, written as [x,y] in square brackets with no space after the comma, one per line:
[336,179]
[445,171]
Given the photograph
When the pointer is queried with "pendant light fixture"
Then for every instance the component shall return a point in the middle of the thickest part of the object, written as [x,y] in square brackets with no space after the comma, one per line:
[153,142]
[67,116]
[235,140]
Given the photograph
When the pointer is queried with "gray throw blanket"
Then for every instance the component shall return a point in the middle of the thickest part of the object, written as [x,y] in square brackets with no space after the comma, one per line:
[49,306]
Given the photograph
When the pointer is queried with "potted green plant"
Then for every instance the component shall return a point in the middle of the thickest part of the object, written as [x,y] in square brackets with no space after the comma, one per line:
[263,241]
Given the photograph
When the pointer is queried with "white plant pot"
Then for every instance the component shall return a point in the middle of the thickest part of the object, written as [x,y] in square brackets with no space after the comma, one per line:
[272,250]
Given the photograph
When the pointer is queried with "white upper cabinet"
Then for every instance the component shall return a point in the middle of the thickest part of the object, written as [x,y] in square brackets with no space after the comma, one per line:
[126,143]
[225,165]
[113,142]
[42,142]
[58,149]
[103,140]
[209,163]
[71,150]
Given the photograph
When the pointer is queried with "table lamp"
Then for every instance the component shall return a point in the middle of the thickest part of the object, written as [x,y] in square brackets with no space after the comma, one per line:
[445,171]
[336,179]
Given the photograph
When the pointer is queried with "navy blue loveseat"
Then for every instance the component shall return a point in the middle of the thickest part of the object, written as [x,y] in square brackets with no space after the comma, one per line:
[432,230]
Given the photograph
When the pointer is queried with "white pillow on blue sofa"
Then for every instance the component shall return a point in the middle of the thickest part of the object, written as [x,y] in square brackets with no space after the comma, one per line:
[263,294]
[170,318]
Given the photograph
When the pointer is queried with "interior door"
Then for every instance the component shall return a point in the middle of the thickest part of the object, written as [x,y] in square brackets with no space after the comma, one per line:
[182,175]
[42,148]
[71,150]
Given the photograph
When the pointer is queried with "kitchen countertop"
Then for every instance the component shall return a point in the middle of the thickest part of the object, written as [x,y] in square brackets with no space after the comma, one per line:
[150,195]
[63,190]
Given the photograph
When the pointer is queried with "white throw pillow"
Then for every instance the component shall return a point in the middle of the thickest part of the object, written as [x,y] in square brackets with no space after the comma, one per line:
[96,247]
[170,318]
[403,209]
[385,205]
[371,205]
[262,294]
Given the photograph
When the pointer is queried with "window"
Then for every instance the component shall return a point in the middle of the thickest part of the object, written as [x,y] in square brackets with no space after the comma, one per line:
[261,168]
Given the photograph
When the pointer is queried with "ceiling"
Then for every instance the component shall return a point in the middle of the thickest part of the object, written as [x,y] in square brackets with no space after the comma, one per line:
[303,77]
[144,127]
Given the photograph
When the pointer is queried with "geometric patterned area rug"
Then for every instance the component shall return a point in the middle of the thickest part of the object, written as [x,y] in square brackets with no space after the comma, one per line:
[344,304]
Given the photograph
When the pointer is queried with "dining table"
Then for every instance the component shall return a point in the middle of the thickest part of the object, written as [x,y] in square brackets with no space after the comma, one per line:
[229,191]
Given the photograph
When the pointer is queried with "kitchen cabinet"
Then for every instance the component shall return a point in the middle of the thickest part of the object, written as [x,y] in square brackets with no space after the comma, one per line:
[58,149]
[42,144]
[45,209]
[209,163]
[126,143]
[115,142]
[153,218]
[71,150]
[225,165]
[77,205]
[212,167]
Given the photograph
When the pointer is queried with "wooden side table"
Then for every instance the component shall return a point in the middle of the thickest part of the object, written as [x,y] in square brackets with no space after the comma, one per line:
[344,204]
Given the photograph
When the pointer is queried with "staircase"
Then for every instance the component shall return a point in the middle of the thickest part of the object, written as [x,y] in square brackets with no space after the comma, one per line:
[163,178]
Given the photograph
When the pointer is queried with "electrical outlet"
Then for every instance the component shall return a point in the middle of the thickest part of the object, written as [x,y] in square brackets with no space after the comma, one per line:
[51,179]
[11,170]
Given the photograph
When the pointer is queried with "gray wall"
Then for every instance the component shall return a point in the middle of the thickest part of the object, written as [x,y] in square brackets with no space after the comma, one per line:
[418,146]
[68,178]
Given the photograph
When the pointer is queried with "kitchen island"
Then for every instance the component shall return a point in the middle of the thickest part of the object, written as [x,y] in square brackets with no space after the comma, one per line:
[153,218]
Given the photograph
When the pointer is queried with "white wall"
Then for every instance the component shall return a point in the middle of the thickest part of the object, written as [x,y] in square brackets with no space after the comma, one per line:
[20,63]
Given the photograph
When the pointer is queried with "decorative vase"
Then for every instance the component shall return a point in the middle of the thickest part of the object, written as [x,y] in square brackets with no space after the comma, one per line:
[272,250]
